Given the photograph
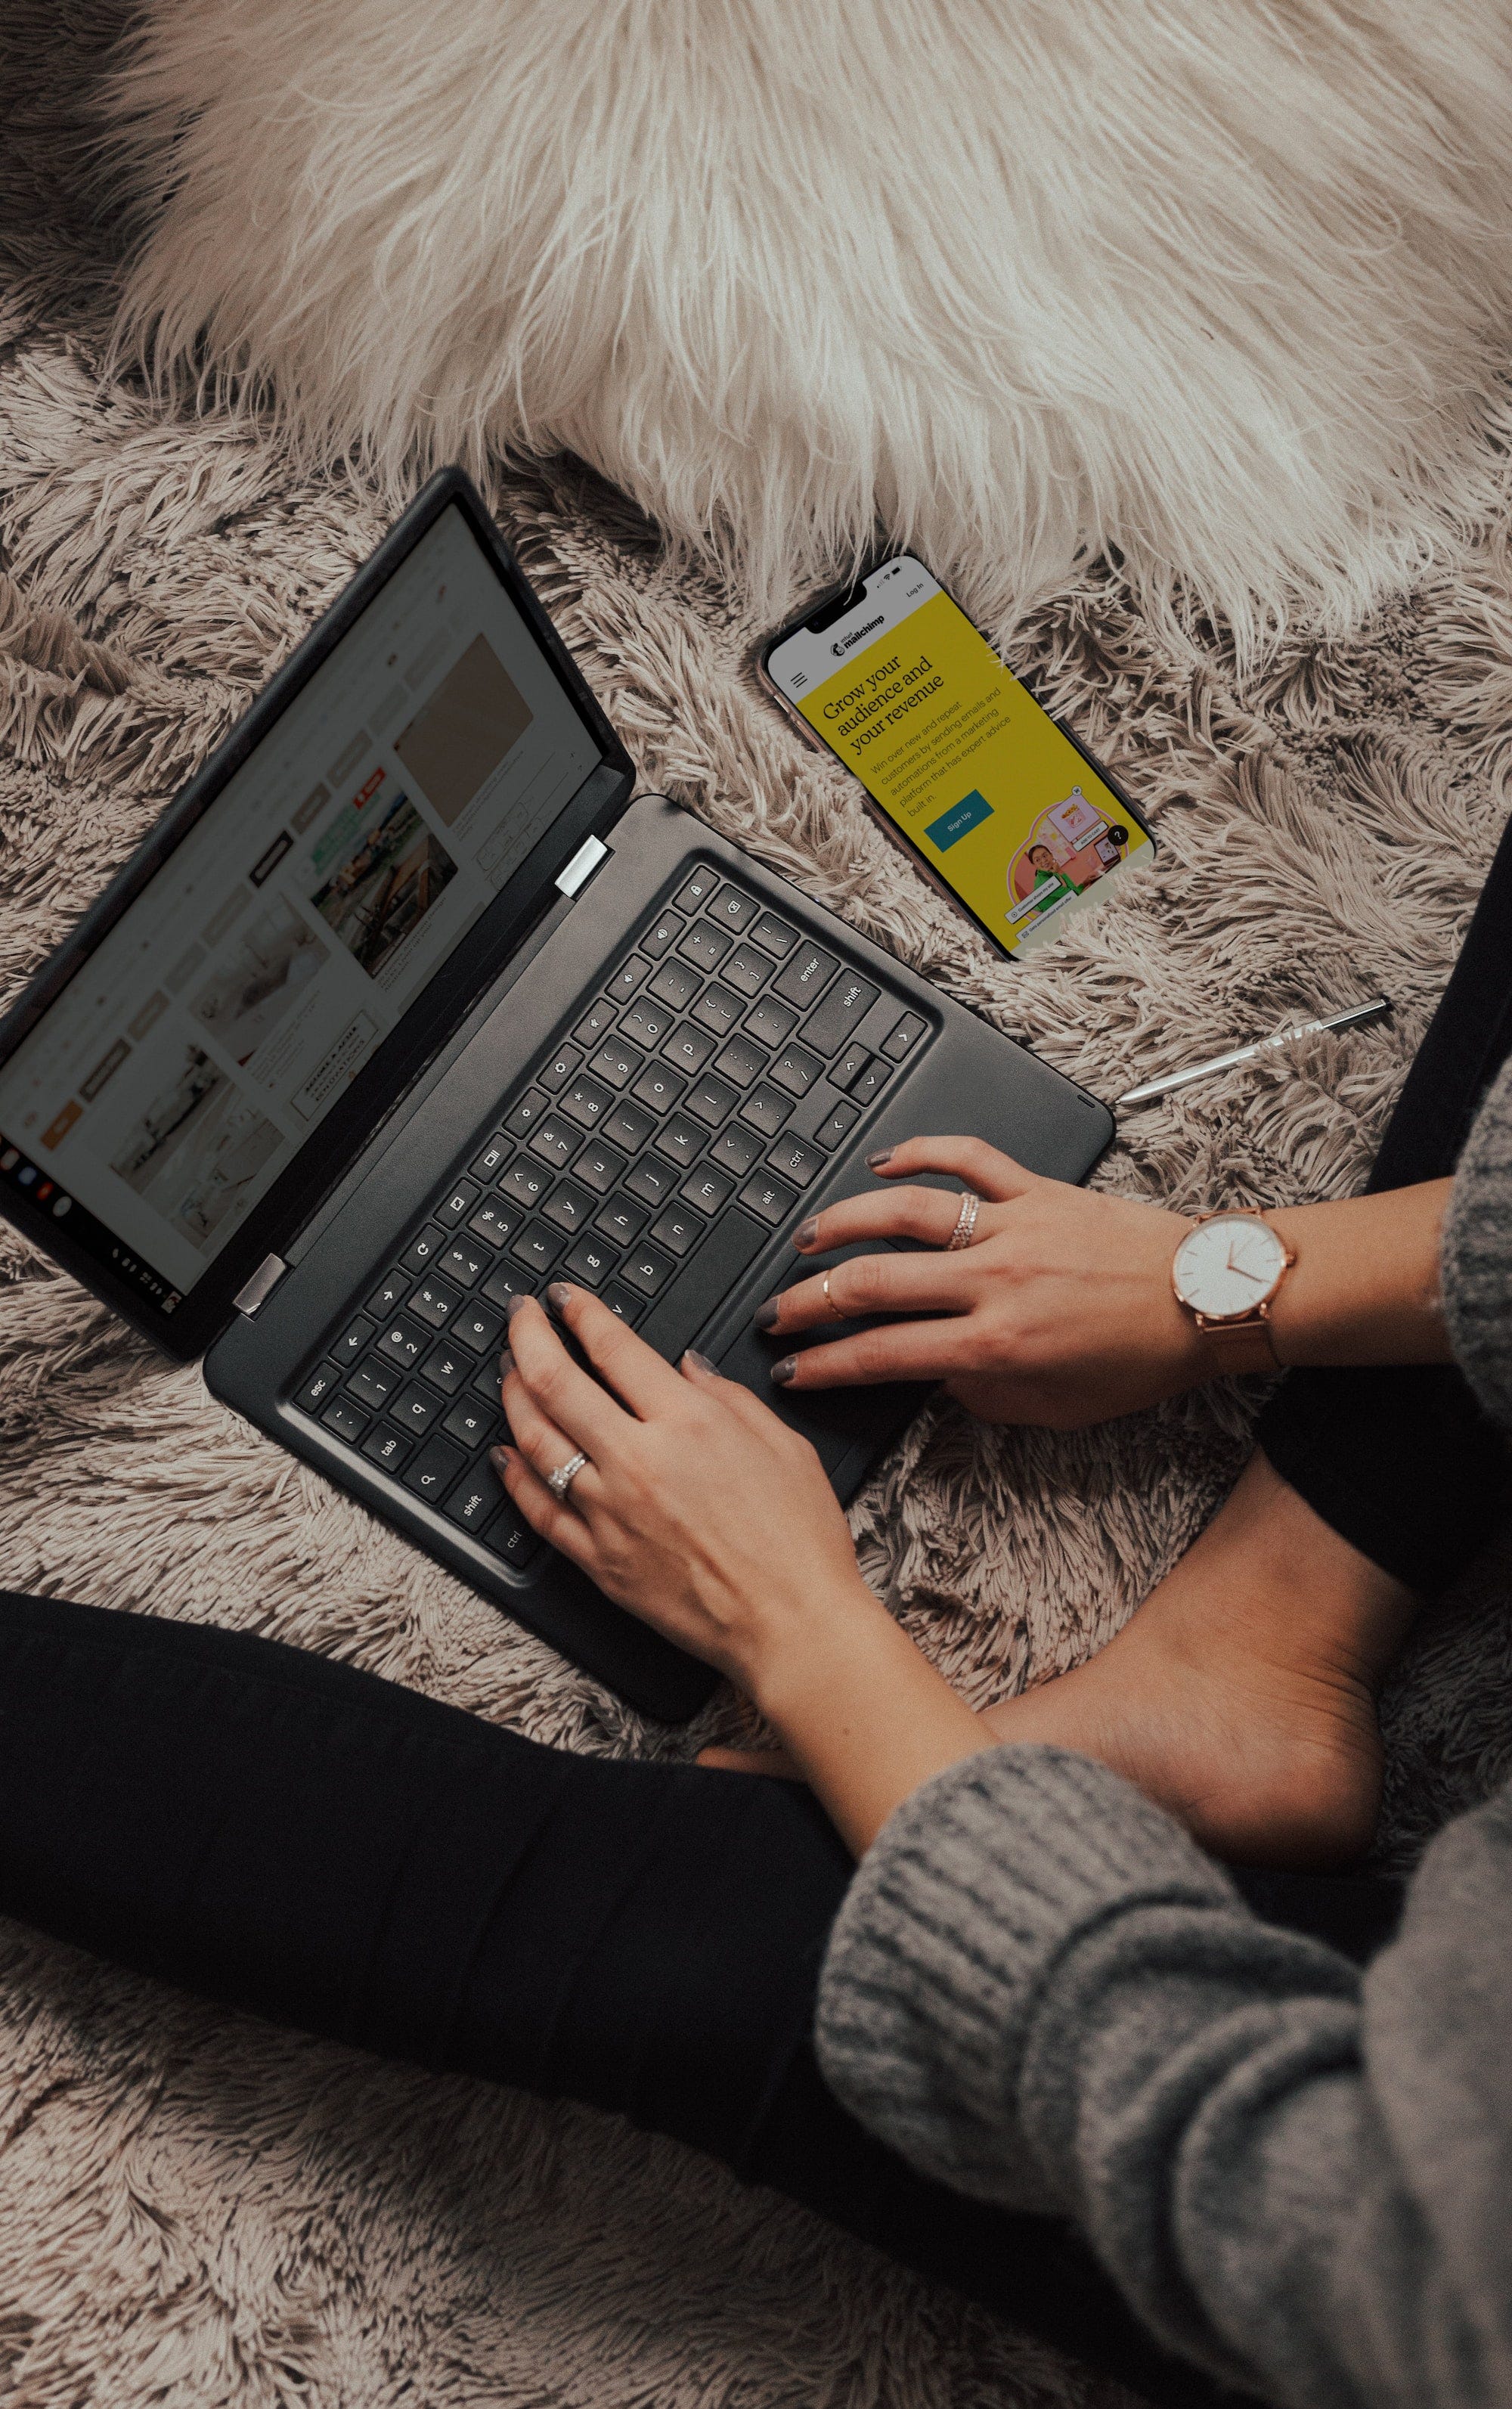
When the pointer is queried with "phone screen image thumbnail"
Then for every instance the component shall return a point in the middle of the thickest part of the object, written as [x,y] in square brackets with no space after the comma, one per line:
[985,786]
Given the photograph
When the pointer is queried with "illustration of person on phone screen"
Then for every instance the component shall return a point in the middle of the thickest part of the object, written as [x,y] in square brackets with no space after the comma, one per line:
[1036,877]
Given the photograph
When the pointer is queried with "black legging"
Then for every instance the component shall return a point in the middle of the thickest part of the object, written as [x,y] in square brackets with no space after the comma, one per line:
[329,1849]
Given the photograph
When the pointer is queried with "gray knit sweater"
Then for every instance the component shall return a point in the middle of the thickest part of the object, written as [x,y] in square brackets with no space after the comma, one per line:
[1301,2177]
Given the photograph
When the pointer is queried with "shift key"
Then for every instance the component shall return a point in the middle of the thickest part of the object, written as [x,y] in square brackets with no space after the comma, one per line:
[678,1317]
[840,1014]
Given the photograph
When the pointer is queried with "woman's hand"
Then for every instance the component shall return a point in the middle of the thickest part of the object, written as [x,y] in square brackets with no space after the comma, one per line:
[702,1511]
[1059,1312]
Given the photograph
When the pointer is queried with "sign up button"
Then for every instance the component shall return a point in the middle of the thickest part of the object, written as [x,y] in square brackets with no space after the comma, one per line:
[959,821]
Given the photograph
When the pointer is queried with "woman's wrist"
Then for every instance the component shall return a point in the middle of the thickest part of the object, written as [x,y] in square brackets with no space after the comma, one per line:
[1364,1288]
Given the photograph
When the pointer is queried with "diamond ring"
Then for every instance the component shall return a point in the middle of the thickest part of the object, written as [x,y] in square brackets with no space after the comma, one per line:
[965,1222]
[561,1480]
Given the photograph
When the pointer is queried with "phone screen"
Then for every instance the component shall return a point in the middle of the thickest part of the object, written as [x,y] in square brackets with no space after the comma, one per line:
[996,800]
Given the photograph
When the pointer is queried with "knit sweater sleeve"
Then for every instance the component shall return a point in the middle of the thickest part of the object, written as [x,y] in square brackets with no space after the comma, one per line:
[1041,1992]
[1478,1254]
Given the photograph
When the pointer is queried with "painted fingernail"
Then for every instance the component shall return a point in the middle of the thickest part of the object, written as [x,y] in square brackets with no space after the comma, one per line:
[558,1294]
[781,1373]
[506,1364]
[765,1316]
[501,1458]
[883,1154]
[806,1232]
[511,1307]
[700,1363]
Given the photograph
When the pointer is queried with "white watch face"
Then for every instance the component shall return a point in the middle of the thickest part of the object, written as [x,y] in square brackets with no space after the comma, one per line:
[1228,1265]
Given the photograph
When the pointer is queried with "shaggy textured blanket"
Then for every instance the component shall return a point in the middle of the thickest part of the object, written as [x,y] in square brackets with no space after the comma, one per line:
[196,2208]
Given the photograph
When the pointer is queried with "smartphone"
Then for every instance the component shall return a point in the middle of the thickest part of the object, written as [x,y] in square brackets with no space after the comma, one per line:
[998,802]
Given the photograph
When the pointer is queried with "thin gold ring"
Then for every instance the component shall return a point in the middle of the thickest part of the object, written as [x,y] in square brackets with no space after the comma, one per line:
[965,1228]
[824,1290]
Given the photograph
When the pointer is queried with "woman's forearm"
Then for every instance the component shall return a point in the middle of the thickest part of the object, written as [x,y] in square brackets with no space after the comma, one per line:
[1364,1288]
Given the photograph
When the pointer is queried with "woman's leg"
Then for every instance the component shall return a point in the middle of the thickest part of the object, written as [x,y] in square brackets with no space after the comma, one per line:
[294,1838]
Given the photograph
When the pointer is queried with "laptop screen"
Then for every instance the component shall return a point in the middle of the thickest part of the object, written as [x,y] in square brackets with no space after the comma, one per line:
[224,1014]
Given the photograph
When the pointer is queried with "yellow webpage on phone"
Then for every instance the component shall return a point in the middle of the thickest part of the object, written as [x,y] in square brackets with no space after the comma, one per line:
[982,783]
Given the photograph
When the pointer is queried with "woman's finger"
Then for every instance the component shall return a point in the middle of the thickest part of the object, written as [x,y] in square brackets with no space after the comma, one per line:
[580,1409]
[646,1381]
[867,1284]
[928,1213]
[970,1160]
[540,1439]
[550,1517]
[895,1350]
[773,1762]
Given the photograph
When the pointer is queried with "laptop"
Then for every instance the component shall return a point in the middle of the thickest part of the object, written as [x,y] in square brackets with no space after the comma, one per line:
[408,1005]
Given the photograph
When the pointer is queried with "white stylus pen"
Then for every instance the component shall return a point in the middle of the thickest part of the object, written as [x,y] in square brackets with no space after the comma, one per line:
[1355,1017]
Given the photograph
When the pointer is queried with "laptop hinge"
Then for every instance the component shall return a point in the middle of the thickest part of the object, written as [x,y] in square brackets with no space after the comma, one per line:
[264,1280]
[590,852]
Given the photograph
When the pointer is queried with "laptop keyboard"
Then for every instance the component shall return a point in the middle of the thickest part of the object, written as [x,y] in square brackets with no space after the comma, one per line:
[650,1156]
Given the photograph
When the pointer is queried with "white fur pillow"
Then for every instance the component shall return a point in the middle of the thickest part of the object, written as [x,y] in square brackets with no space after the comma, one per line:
[1217,283]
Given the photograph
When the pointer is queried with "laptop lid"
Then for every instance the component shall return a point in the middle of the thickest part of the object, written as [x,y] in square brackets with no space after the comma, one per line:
[305,924]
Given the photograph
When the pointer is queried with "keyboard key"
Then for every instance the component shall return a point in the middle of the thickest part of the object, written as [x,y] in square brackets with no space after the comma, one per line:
[771,1023]
[705,945]
[620,1218]
[718,1010]
[388,1296]
[492,1223]
[675,984]
[353,1340]
[527,1112]
[505,1280]
[473,1500]
[591,1262]
[415,1408]
[872,1081]
[795,1160]
[735,1149]
[372,1384]
[688,1049]
[485,1379]
[658,1087]
[745,969]
[706,1189]
[569,1207]
[526,1181]
[773,936]
[652,1181]
[458,1205]
[434,1469]
[904,1037]
[796,1069]
[840,1014]
[510,1536]
[646,1270]
[537,1248]
[730,909]
[586,1102]
[386,1447]
[678,1230]
[656,941]
[630,1127]
[554,1142]
[494,1155]
[741,1061]
[465,1261]
[680,1140]
[617,1063]
[626,979]
[837,1129]
[711,1100]
[346,1419]
[559,1069]
[766,1110]
[447,1367]
[471,1423]
[476,1328]
[599,1167]
[646,1023]
[596,1023]
[806,977]
[422,1249]
[403,1343]
[850,1066]
[771,1198]
[619,1300]
[434,1304]
[697,890]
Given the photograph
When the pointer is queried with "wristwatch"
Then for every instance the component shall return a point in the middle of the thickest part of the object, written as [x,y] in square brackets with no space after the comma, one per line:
[1226,1271]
